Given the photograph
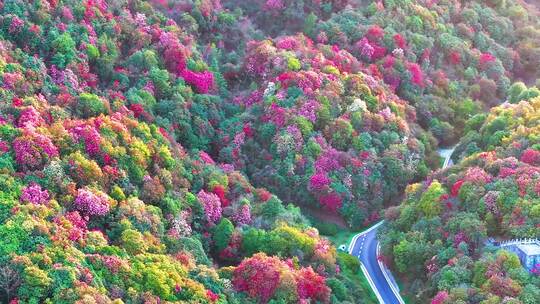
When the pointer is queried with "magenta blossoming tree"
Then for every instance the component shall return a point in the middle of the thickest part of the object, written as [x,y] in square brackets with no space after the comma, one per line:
[92,202]
[243,215]
[32,150]
[211,204]
[319,181]
[34,194]
[202,81]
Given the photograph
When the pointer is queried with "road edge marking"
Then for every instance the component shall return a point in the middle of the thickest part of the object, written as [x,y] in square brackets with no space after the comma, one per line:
[355,238]
[386,277]
[364,270]
[371,283]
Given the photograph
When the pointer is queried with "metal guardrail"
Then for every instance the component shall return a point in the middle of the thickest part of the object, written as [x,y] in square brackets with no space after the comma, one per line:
[518,242]
[389,277]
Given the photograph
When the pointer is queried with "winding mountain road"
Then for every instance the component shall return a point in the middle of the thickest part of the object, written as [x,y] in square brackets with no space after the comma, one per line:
[447,154]
[365,246]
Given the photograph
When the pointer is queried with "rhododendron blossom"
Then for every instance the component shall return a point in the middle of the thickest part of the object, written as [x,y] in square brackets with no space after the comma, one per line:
[328,162]
[389,62]
[219,190]
[277,115]
[180,225]
[274,5]
[378,52]
[312,286]
[531,157]
[32,149]
[455,57]
[30,117]
[206,158]
[456,187]
[92,202]
[211,296]
[322,37]
[262,276]
[417,76]
[138,109]
[174,53]
[264,195]
[34,194]
[202,81]
[248,131]
[287,43]
[365,48]
[486,58]
[400,41]
[477,175]
[211,204]
[440,298]
[4,147]
[258,276]
[331,201]
[243,215]
[71,226]
[397,53]
[16,25]
[90,136]
[319,181]
[490,200]
[11,79]
[375,33]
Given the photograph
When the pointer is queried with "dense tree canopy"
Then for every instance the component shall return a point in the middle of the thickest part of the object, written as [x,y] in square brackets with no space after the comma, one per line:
[437,236]
[160,151]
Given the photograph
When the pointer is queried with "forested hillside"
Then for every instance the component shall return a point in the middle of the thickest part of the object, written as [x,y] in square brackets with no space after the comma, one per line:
[438,235]
[169,151]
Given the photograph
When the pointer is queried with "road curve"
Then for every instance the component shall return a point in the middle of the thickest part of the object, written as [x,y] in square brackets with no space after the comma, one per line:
[364,246]
[446,153]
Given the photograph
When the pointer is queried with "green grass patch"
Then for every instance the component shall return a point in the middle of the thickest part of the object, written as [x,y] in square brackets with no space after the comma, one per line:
[355,283]
[366,294]
[337,235]
[441,161]
[342,237]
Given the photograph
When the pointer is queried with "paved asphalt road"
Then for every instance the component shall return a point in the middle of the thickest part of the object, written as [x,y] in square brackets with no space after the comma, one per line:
[365,248]
[446,154]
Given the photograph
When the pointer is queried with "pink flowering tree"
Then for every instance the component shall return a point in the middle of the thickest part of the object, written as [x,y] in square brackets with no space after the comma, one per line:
[331,201]
[258,276]
[440,298]
[34,194]
[319,181]
[274,5]
[243,215]
[32,150]
[30,117]
[90,136]
[202,81]
[365,48]
[91,202]
[417,76]
[211,205]
[311,285]
[174,53]
[485,59]
[477,176]
[531,157]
